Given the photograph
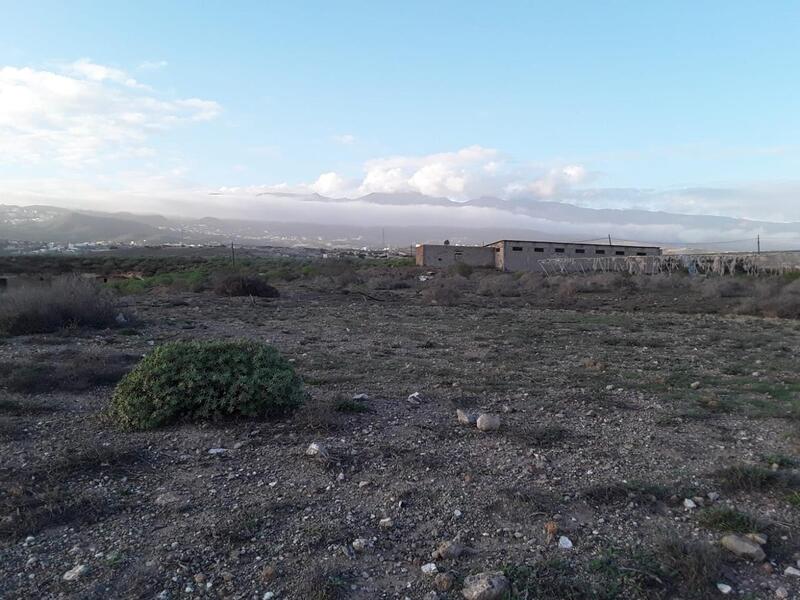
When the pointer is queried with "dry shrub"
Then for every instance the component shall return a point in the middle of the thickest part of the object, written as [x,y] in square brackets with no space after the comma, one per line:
[499,286]
[244,285]
[387,282]
[693,566]
[567,291]
[461,269]
[445,292]
[532,283]
[67,302]
[724,288]
[773,300]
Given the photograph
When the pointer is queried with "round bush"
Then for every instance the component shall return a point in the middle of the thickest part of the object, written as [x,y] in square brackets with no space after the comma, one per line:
[196,381]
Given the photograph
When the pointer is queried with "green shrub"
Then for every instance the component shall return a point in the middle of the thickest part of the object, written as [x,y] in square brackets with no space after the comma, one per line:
[205,380]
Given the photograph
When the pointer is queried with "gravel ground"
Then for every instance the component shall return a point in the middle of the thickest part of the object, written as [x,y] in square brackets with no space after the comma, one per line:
[610,421]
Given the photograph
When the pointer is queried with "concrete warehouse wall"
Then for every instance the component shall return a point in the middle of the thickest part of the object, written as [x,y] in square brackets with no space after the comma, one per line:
[525,256]
[430,255]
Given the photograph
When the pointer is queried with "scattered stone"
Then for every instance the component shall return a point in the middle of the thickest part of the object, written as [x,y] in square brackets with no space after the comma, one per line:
[485,586]
[120,318]
[360,544]
[713,496]
[444,582]
[781,592]
[317,450]
[167,498]
[268,596]
[743,547]
[431,596]
[689,504]
[360,398]
[386,523]
[76,572]
[724,588]
[414,399]
[792,571]
[216,450]
[429,569]
[488,422]
[695,385]
[448,550]
[564,542]
[467,417]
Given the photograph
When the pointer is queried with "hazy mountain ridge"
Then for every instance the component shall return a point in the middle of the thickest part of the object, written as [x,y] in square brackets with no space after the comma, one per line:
[552,220]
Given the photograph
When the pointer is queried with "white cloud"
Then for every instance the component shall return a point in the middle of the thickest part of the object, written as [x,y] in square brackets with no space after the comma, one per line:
[87,69]
[152,65]
[468,173]
[329,184]
[86,115]
[347,139]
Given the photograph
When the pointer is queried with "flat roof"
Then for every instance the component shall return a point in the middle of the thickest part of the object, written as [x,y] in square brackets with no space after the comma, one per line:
[571,243]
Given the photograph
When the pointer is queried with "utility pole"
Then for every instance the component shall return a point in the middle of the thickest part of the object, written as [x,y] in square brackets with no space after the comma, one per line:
[609,240]
[233,255]
[758,241]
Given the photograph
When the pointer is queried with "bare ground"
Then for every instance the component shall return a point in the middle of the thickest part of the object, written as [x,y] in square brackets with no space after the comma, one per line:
[602,433]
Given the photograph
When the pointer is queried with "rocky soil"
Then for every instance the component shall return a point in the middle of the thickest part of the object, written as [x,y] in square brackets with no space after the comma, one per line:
[599,472]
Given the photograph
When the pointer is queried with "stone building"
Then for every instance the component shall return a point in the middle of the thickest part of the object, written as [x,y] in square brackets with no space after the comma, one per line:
[522,255]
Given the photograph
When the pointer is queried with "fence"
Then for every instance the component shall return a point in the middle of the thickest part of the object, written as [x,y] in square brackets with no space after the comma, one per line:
[754,264]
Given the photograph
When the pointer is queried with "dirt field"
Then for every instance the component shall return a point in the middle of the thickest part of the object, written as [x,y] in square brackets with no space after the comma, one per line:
[621,414]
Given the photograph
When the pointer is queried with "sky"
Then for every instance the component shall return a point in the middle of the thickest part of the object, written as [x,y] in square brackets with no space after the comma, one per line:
[680,106]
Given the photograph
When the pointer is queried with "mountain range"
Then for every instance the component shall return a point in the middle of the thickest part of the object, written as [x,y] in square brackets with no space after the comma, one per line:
[394,220]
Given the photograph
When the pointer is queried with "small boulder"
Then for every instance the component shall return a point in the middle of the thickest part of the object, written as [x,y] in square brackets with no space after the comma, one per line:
[386,523]
[565,543]
[695,385]
[360,398]
[488,422]
[444,582]
[724,588]
[743,547]
[76,572]
[448,550]
[485,586]
[429,569]
[167,498]
[466,417]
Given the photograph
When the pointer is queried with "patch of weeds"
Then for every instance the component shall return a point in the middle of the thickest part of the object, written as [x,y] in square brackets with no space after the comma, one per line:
[45,496]
[552,579]
[612,493]
[793,499]
[628,573]
[351,406]
[728,520]
[751,478]
[240,527]
[326,584]
[692,566]
[781,460]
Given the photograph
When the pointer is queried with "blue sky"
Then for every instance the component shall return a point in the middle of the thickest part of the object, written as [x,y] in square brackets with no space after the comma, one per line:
[554,99]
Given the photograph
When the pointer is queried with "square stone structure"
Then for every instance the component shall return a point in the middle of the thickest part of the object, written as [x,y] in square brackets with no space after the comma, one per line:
[522,255]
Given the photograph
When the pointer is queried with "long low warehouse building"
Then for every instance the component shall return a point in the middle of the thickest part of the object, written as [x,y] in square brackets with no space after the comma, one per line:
[521,255]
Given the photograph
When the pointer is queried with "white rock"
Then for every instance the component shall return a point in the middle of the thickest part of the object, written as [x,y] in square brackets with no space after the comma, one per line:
[488,422]
[793,571]
[360,544]
[781,592]
[713,496]
[414,398]
[386,523]
[724,588]
[695,385]
[564,542]
[167,498]
[689,504]
[429,569]
[268,596]
[317,450]
[360,398]
[216,450]
[76,572]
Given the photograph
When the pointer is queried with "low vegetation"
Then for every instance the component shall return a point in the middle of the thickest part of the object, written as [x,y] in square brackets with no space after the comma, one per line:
[197,381]
[65,303]
[244,285]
